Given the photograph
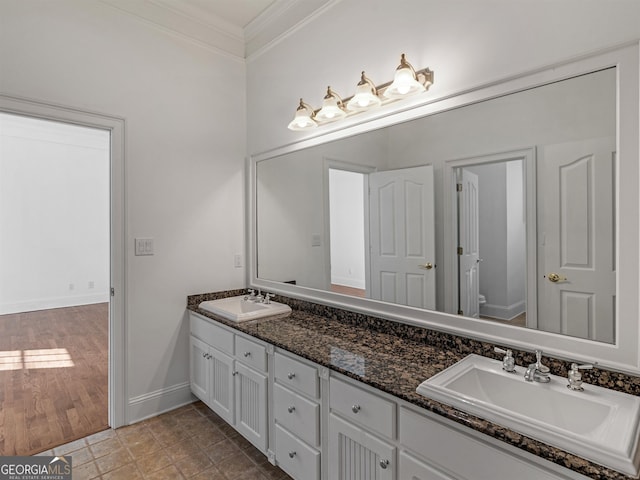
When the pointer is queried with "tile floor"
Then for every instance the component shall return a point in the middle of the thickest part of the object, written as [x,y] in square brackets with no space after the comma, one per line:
[191,442]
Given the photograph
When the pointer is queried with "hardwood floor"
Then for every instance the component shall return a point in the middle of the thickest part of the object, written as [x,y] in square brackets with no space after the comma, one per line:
[53,377]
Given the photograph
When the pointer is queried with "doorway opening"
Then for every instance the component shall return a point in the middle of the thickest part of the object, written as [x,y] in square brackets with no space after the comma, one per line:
[347,232]
[55,285]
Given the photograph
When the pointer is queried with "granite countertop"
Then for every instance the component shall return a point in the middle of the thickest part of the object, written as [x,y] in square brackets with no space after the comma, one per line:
[389,362]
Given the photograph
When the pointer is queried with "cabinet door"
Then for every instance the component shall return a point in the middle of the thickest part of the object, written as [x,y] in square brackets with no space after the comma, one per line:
[199,368]
[221,398]
[251,405]
[355,454]
[413,469]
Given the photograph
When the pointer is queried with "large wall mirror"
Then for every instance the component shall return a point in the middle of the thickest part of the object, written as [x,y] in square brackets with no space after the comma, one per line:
[504,213]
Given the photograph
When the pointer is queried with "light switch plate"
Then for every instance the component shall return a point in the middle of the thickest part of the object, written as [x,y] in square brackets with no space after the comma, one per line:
[144,246]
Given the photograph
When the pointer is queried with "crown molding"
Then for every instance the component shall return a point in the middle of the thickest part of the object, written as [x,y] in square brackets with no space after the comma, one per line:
[279,20]
[190,23]
[215,35]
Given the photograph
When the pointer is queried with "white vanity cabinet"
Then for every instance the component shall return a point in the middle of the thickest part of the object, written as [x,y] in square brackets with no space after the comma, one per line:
[326,426]
[296,412]
[228,373]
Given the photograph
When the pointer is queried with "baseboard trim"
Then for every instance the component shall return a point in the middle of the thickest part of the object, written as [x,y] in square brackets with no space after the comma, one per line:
[503,312]
[159,401]
[54,302]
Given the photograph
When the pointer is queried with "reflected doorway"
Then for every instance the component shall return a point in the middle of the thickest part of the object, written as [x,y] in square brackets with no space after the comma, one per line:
[347,232]
[492,241]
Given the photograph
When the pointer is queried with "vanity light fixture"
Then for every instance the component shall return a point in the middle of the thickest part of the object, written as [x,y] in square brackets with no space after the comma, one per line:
[406,82]
[332,108]
[303,120]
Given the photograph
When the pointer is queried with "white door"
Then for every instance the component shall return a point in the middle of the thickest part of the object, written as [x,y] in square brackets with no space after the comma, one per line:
[577,280]
[468,245]
[402,237]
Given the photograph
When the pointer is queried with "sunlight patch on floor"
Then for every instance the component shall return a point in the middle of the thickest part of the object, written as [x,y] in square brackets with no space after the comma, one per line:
[35,359]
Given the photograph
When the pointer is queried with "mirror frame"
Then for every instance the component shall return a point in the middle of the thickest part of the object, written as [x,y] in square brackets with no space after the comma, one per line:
[624,354]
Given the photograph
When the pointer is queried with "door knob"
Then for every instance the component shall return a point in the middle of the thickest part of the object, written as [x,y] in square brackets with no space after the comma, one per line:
[427,266]
[554,277]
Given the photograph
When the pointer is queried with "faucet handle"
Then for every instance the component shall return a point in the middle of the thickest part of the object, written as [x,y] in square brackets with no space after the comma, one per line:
[508,362]
[575,377]
[539,366]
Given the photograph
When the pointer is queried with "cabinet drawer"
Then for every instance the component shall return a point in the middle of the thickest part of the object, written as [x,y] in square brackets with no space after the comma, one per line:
[358,405]
[297,414]
[251,353]
[415,469]
[216,336]
[441,446]
[296,375]
[296,458]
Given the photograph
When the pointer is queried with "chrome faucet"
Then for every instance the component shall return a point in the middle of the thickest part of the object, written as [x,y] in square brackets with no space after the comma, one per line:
[537,372]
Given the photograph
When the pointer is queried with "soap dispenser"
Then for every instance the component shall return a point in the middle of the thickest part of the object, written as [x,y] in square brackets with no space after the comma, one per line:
[508,362]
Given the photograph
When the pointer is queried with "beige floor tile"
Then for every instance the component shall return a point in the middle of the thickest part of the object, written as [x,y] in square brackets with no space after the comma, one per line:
[80,457]
[114,460]
[211,473]
[182,449]
[167,473]
[154,462]
[221,450]
[236,466]
[193,464]
[190,443]
[127,472]
[105,447]
[85,472]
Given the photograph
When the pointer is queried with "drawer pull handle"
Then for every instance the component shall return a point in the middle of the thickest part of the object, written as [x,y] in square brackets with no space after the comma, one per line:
[234,373]
[384,464]
[292,454]
[291,409]
[291,375]
[247,354]
[355,408]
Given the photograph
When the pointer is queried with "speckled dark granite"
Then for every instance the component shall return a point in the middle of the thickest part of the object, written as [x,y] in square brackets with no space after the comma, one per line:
[396,358]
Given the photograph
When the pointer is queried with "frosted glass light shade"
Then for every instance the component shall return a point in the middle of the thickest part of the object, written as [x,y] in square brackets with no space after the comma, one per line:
[331,110]
[404,84]
[302,119]
[364,99]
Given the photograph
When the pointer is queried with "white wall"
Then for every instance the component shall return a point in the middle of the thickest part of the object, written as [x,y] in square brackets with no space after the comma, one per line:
[465,42]
[184,108]
[54,212]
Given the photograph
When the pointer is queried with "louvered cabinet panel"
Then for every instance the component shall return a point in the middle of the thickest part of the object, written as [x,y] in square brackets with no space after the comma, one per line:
[355,454]
[221,398]
[251,405]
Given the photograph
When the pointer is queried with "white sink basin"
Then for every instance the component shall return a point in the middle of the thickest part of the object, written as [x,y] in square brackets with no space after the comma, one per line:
[598,424]
[238,309]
